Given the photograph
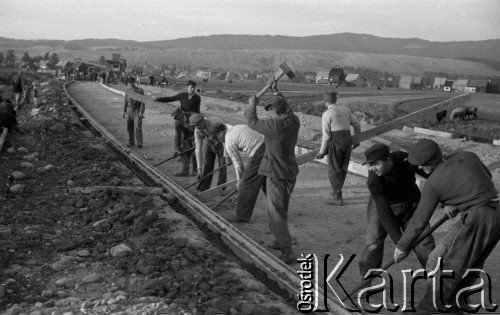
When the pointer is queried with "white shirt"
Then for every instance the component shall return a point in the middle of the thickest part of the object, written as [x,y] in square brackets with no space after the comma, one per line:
[337,118]
[241,138]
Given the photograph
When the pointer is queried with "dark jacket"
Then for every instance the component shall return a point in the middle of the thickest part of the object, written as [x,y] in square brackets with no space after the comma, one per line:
[187,104]
[280,137]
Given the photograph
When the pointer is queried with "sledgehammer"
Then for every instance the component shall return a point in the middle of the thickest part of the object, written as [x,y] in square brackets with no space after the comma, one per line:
[284,70]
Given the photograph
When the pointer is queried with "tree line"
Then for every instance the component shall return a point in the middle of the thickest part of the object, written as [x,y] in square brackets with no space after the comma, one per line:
[9,59]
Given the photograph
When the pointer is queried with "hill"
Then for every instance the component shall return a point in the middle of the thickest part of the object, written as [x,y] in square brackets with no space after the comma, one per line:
[255,52]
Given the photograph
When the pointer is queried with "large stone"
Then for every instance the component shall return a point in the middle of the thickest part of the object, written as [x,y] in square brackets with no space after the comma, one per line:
[22,150]
[11,150]
[92,278]
[120,250]
[58,127]
[18,175]
[27,165]
[17,189]
[65,282]
[5,231]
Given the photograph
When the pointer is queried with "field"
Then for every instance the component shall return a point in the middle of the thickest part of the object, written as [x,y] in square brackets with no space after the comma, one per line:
[258,59]
[373,106]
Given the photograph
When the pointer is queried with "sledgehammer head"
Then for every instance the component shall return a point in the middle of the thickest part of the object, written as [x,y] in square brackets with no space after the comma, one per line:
[287,71]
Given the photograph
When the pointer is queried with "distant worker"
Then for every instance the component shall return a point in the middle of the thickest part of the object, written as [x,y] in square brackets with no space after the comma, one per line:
[337,143]
[133,111]
[7,120]
[183,143]
[35,93]
[209,138]
[17,87]
[278,164]
[243,138]
[464,184]
[394,196]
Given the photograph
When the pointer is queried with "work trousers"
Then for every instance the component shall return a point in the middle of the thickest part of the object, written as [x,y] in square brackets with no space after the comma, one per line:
[339,154]
[373,251]
[466,245]
[184,140]
[278,198]
[250,184]
[134,125]
[210,152]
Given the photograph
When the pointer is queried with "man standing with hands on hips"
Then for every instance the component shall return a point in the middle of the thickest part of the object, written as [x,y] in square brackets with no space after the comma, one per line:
[278,164]
[133,111]
[337,143]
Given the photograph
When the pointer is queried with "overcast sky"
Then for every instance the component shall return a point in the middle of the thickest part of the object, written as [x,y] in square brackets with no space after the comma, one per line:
[146,20]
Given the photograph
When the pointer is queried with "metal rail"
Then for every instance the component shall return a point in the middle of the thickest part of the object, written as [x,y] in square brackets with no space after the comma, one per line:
[240,244]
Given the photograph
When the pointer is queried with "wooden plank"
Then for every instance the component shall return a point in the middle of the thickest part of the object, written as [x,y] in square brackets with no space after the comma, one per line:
[216,191]
[394,124]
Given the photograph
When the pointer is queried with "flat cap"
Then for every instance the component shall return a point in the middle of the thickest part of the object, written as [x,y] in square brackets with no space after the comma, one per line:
[276,102]
[423,151]
[377,152]
[195,119]
[330,96]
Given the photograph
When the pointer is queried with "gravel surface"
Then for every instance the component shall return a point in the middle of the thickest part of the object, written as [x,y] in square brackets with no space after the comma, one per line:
[105,250]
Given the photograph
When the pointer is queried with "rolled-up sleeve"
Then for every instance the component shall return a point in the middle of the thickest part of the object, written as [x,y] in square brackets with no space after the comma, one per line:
[325,129]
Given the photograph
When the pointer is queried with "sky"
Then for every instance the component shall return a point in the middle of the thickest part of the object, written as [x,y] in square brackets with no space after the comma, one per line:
[148,20]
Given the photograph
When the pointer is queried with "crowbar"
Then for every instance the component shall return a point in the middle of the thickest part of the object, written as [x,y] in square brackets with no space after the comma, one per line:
[205,176]
[174,156]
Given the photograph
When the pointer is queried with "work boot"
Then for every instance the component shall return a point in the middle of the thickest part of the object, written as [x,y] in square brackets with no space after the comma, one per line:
[274,245]
[336,201]
[288,255]
[130,144]
[139,146]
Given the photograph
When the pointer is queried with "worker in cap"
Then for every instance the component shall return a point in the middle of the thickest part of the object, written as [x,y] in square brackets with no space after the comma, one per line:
[464,185]
[189,104]
[133,111]
[209,137]
[337,143]
[394,196]
[184,149]
[278,164]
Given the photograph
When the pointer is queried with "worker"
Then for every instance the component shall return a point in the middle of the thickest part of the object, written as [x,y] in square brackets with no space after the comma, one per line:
[190,103]
[243,138]
[133,111]
[394,196]
[17,87]
[183,146]
[7,120]
[461,182]
[278,164]
[209,137]
[337,143]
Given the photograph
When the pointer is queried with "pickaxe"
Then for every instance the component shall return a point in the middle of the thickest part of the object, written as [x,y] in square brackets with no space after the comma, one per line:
[205,176]
[174,156]
[284,70]
[434,227]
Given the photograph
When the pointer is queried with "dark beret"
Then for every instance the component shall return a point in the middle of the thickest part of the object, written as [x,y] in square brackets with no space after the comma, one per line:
[377,152]
[423,151]
[330,96]
[276,102]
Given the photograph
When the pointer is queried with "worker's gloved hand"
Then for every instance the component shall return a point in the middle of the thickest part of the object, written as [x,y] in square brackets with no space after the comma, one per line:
[141,116]
[124,113]
[451,211]
[238,186]
[253,100]
[200,175]
[355,145]
[320,156]
[176,153]
[399,255]
[229,162]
